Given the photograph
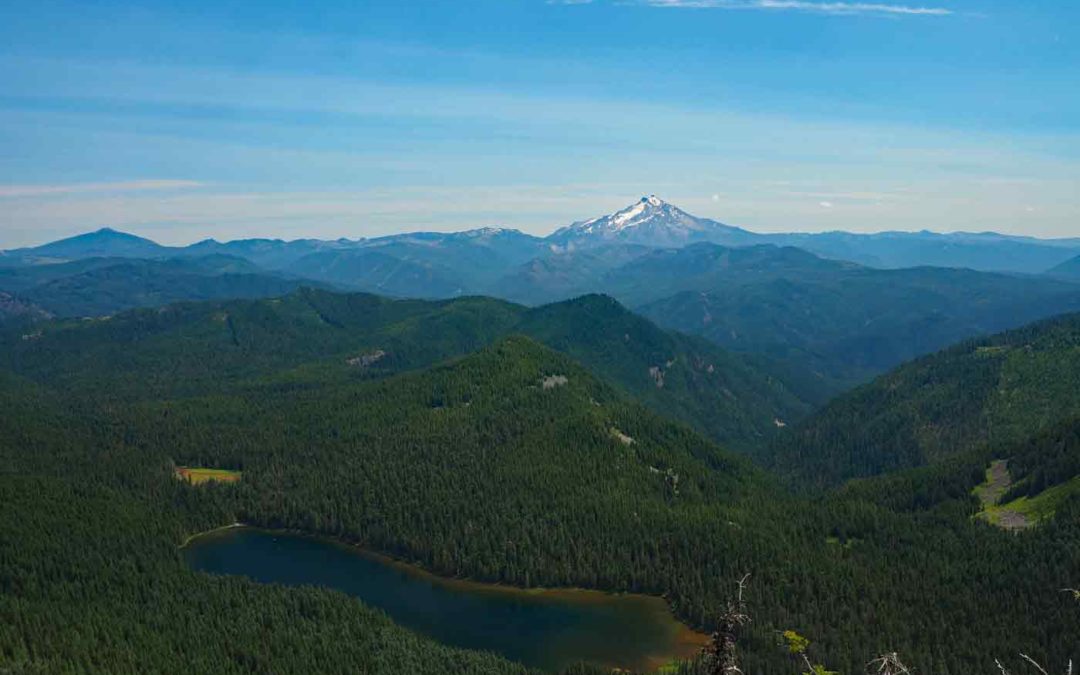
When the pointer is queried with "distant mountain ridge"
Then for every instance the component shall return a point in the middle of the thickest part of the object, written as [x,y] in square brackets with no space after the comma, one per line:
[1070,269]
[797,298]
[844,321]
[105,242]
[104,286]
[649,222]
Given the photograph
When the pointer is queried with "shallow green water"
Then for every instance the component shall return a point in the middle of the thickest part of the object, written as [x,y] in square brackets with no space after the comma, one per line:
[548,629]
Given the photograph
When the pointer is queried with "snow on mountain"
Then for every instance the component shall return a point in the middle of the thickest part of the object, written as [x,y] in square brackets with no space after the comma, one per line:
[652,222]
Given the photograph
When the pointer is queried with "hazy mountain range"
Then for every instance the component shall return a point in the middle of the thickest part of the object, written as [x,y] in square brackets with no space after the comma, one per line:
[650,222]
[835,307]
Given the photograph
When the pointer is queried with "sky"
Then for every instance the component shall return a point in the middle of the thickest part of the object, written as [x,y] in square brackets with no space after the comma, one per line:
[185,120]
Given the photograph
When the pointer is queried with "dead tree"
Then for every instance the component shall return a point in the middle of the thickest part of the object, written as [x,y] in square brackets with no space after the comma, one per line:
[1033,662]
[887,664]
[721,655]
[1068,668]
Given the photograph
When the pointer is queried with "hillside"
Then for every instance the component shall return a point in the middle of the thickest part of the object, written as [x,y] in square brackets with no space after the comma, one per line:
[376,272]
[736,401]
[269,254]
[997,391]
[638,275]
[92,580]
[195,346]
[850,323]
[511,463]
[1043,473]
[103,286]
[564,275]
[481,255]
[16,309]
[1070,269]
[841,321]
[827,325]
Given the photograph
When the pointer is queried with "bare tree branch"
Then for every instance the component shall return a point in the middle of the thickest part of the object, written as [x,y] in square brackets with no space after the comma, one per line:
[888,664]
[1034,663]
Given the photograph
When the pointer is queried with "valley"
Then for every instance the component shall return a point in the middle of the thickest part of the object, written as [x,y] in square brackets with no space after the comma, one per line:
[768,412]
[452,452]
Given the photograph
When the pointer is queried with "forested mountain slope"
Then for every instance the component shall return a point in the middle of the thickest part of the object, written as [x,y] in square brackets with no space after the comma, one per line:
[843,322]
[735,400]
[1049,459]
[638,275]
[830,324]
[849,323]
[91,579]
[102,286]
[513,463]
[999,391]
[213,345]
[14,309]
[555,277]
[377,272]
[1070,269]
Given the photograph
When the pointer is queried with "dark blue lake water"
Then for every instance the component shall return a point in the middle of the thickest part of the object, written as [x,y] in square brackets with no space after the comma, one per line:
[545,629]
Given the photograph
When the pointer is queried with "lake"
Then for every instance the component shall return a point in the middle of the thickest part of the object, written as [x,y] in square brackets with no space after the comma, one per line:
[544,629]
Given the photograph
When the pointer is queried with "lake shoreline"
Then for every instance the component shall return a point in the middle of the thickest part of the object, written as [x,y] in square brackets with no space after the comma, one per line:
[417,568]
[205,533]
[687,641]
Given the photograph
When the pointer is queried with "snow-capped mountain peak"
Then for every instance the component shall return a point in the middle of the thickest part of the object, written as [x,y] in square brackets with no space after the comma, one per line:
[650,221]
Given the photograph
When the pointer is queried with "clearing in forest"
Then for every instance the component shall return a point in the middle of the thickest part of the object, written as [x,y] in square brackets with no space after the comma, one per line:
[198,476]
[998,481]
[1022,512]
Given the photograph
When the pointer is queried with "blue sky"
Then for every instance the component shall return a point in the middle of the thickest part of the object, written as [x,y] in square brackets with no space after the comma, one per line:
[185,120]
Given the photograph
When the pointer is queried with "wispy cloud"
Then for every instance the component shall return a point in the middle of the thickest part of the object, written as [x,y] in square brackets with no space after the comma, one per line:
[834,8]
[83,188]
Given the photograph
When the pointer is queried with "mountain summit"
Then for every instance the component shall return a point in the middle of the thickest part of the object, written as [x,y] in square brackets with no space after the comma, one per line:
[105,242]
[650,221]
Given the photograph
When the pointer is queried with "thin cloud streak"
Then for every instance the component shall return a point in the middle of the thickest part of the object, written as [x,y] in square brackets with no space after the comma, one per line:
[83,188]
[832,8]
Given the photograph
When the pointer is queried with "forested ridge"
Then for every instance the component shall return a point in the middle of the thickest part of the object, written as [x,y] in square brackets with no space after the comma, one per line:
[489,457]
[990,392]
[315,335]
[102,286]
[848,323]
